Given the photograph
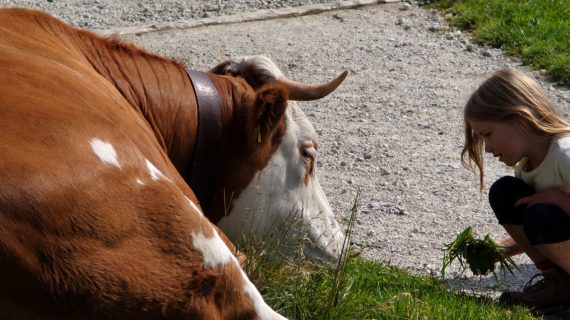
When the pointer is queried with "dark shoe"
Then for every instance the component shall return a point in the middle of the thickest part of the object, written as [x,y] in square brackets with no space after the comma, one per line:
[543,290]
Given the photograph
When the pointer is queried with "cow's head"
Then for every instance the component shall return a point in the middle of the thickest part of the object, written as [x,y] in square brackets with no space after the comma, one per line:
[283,194]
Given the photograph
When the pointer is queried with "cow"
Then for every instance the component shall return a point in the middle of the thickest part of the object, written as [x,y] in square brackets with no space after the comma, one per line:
[104,157]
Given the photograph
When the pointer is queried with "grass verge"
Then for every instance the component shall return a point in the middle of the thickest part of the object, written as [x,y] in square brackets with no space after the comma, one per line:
[373,291]
[356,288]
[537,31]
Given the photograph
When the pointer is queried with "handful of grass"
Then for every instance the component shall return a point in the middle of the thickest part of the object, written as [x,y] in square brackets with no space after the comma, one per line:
[481,255]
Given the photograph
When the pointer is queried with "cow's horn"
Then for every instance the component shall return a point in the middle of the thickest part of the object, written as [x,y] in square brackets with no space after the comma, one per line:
[305,92]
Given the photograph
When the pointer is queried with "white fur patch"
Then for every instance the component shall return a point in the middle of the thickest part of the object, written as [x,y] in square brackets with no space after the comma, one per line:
[155,174]
[216,253]
[105,152]
[214,250]
[261,308]
[193,205]
[261,63]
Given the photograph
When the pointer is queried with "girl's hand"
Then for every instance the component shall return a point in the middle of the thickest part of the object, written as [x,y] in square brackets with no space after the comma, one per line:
[544,196]
[511,246]
[555,196]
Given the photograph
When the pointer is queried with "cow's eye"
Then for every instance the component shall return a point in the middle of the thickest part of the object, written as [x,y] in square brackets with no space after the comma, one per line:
[309,154]
[308,151]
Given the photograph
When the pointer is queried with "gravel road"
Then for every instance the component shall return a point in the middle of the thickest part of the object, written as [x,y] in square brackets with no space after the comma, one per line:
[392,132]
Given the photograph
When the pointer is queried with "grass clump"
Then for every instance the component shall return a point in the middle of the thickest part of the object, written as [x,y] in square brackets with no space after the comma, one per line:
[535,30]
[480,255]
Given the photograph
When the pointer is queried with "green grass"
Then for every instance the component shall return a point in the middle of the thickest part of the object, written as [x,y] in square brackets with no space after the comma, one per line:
[356,288]
[537,31]
[370,290]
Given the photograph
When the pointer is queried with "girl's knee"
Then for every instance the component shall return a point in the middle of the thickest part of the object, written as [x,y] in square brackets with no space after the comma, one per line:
[545,223]
[502,197]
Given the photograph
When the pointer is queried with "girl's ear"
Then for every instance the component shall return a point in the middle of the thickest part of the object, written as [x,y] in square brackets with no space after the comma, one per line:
[270,106]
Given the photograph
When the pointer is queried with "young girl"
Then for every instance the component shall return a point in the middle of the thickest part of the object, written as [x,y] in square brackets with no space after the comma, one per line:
[510,117]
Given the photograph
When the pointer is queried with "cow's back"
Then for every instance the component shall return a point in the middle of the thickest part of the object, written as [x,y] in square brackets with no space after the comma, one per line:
[94,219]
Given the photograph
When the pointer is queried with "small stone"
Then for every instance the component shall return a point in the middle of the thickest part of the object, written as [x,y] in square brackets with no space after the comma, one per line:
[434,28]
[374,205]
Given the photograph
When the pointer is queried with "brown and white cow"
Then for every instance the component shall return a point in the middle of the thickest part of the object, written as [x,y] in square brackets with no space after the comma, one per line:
[97,141]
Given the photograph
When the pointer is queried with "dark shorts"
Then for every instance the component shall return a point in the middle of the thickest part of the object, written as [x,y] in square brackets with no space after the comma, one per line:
[542,223]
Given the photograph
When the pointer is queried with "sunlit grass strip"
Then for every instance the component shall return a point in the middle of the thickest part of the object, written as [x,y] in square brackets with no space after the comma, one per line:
[361,289]
[375,292]
[538,31]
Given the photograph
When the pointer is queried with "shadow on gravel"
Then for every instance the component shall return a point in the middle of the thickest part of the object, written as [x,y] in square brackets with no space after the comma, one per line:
[487,289]
[491,286]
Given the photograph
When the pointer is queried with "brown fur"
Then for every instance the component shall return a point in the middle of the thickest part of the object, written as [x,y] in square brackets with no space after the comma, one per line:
[79,238]
[249,156]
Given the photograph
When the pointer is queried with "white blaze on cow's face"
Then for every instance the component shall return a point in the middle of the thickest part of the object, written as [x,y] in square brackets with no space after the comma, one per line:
[286,194]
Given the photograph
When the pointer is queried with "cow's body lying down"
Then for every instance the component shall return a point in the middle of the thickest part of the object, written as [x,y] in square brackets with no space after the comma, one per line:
[96,218]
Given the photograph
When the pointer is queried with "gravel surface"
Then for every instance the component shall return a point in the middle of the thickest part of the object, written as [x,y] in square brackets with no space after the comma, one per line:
[102,14]
[392,132]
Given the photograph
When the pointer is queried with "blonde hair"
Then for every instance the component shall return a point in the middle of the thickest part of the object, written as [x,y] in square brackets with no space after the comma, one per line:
[510,96]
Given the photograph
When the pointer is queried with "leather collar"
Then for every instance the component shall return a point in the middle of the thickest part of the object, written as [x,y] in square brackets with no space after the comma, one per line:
[205,165]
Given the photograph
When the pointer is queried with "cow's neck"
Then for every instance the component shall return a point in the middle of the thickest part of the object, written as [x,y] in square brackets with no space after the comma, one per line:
[156,87]
[161,91]
[243,154]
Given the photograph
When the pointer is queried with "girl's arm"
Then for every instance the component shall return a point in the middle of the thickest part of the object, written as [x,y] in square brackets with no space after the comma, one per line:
[556,196]
[512,247]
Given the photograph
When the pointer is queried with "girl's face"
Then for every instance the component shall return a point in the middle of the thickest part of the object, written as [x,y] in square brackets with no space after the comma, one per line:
[503,140]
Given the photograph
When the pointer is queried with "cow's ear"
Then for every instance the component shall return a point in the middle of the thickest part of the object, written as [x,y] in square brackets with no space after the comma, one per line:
[220,68]
[270,105]
[225,68]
